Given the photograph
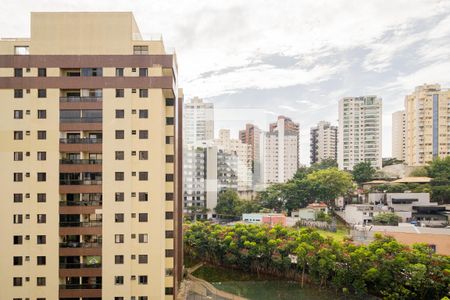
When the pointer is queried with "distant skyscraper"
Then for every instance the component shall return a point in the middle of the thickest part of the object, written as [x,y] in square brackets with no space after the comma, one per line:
[359,136]
[399,135]
[280,151]
[323,142]
[91,152]
[198,121]
[427,124]
[251,135]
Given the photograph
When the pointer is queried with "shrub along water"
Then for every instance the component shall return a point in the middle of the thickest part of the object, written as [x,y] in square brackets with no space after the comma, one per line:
[383,268]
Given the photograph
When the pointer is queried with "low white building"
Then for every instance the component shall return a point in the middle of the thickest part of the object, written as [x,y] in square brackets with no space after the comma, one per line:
[362,214]
[310,212]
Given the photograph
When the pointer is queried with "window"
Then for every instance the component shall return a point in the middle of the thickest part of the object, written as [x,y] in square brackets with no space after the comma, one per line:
[143,93]
[18,72]
[169,140]
[143,176]
[21,50]
[169,290]
[41,239]
[120,134]
[170,102]
[143,113]
[118,280]
[143,155]
[42,93]
[17,260]
[41,155]
[169,234]
[120,155]
[94,72]
[143,134]
[42,134]
[120,196]
[119,72]
[18,135]
[18,93]
[119,238]
[120,93]
[18,177]
[169,215]
[41,197]
[42,72]
[119,298]
[18,198]
[143,217]
[169,177]
[40,281]
[18,156]
[169,252]
[142,298]
[17,219]
[142,279]
[120,176]
[118,259]
[120,113]
[169,196]
[41,218]
[119,218]
[18,114]
[17,281]
[41,176]
[143,259]
[17,240]
[169,121]
[42,114]
[140,49]
[143,72]
[41,260]
[143,196]
[143,238]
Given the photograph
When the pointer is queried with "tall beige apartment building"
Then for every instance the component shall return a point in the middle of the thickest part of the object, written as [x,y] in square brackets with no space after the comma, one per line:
[91,162]
[399,135]
[323,141]
[427,124]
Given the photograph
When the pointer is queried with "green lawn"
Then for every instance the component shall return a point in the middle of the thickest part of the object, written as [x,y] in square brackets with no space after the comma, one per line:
[338,235]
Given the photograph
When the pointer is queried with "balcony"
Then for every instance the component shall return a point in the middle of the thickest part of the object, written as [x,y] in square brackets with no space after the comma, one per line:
[77,144]
[79,182]
[78,102]
[80,123]
[81,224]
[79,207]
[81,120]
[81,203]
[80,165]
[79,140]
[79,265]
[80,269]
[80,249]
[80,290]
[75,99]
[80,228]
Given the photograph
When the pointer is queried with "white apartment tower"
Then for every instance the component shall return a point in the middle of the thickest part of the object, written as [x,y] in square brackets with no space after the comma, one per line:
[280,151]
[198,121]
[323,142]
[399,134]
[359,137]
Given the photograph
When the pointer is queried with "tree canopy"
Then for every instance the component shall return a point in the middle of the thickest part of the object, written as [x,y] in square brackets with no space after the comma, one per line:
[363,172]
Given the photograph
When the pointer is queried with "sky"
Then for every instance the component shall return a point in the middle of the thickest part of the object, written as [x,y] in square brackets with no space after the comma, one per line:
[256,60]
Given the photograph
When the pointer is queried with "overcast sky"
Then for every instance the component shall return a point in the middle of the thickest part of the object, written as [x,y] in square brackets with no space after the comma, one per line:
[259,59]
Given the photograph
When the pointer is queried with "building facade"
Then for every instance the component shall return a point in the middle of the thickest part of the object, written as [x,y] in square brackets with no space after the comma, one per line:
[360,133]
[399,135]
[251,135]
[323,142]
[427,124]
[280,151]
[91,149]
[198,121]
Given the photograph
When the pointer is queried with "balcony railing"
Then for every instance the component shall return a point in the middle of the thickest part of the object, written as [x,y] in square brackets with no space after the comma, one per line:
[79,182]
[80,141]
[80,161]
[81,224]
[80,99]
[80,286]
[78,265]
[81,120]
[79,245]
[81,203]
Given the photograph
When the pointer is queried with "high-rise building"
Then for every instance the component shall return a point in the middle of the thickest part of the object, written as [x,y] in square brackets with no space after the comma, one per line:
[427,119]
[194,172]
[323,142]
[251,136]
[280,151]
[198,121]
[244,158]
[91,155]
[359,138]
[399,135]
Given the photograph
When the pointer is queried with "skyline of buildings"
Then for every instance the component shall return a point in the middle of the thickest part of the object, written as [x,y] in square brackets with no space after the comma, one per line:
[323,142]
[91,142]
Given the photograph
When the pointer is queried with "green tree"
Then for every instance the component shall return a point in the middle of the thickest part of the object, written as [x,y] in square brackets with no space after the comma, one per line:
[387,218]
[228,204]
[363,172]
[419,172]
[326,185]
[273,197]
[439,170]
[324,164]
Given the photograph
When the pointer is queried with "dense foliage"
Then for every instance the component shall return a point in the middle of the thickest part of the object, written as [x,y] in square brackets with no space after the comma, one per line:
[384,268]
[229,205]
[363,172]
[387,218]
